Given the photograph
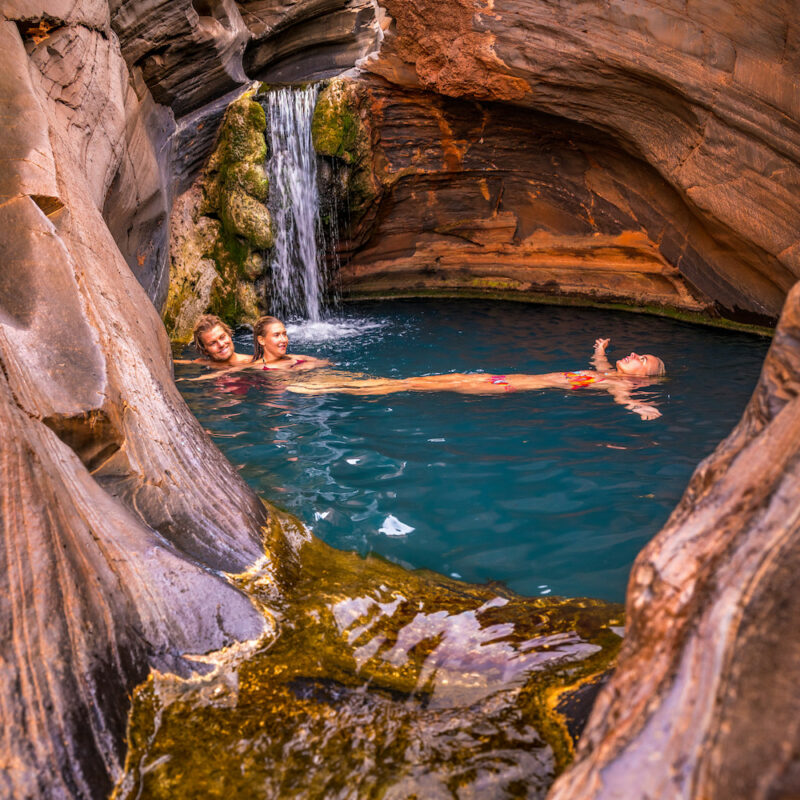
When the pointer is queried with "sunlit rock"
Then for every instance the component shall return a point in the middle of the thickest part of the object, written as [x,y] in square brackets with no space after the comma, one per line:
[221,227]
[706,96]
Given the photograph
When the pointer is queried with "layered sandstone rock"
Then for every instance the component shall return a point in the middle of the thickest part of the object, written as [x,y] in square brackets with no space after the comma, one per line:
[448,195]
[706,96]
[642,150]
[295,42]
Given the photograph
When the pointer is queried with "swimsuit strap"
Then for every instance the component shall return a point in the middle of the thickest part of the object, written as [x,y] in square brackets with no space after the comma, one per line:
[501,379]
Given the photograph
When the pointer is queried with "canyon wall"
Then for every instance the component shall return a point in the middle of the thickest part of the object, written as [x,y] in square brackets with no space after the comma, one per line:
[705,95]
[635,150]
[119,517]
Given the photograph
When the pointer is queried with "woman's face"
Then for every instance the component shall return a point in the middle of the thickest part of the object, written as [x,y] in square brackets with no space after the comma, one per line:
[217,343]
[275,341]
[639,365]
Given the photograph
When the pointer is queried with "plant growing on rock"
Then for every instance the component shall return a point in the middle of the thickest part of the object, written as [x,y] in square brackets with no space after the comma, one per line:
[227,229]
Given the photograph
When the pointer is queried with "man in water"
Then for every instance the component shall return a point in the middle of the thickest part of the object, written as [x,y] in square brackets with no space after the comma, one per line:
[214,341]
[631,372]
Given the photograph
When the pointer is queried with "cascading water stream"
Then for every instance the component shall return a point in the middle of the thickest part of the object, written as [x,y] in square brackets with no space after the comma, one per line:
[297,272]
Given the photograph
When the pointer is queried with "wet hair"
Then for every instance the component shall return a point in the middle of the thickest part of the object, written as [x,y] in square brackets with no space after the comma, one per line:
[661,371]
[260,329]
[204,325]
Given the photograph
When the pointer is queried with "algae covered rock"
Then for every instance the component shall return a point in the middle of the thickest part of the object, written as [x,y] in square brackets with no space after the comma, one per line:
[340,132]
[382,682]
[222,227]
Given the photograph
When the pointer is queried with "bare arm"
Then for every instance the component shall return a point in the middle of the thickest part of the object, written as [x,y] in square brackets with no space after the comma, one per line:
[599,359]
[309,362]
[622,395]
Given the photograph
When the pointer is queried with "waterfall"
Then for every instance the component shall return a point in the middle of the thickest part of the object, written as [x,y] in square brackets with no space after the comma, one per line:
[297,270]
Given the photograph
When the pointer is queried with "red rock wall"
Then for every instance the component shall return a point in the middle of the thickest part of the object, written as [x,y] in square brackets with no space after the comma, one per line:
[483,196]
[707,95]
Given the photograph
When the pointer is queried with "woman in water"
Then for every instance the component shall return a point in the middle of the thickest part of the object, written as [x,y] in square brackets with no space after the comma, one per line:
[213,339]
[632,372]
[271,342]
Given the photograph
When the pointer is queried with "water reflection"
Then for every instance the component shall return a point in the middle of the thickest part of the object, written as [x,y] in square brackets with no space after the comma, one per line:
[379,683]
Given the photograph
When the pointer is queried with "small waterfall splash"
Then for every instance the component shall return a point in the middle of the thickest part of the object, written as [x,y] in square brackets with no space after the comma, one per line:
[297,270]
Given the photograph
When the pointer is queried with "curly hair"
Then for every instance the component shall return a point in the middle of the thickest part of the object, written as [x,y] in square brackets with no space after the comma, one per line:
[203,325]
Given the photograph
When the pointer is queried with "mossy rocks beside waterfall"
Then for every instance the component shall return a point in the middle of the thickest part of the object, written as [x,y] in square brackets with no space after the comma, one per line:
[340,131]
[221,228]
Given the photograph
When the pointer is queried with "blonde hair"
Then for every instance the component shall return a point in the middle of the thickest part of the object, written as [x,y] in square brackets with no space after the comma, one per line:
[259,329]
[205,324]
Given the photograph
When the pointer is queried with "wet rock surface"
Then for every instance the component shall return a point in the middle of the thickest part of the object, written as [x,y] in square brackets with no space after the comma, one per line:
[663,167]
[380,682]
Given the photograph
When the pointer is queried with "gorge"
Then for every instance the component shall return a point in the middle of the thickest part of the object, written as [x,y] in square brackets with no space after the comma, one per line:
[643,153]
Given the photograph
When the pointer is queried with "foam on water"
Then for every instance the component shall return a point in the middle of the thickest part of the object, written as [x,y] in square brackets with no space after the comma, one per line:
[332,329]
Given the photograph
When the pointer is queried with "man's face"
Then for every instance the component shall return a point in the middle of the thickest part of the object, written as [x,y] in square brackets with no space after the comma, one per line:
[218,344]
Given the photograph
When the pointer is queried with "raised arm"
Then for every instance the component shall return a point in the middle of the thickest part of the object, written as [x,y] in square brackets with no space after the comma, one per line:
[599,359]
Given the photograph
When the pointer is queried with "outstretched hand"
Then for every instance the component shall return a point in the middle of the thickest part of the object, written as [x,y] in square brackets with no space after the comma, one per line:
[645,411]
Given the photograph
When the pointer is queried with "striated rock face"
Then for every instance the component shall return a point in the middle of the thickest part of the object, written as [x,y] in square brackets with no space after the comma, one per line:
[448,194]
[296,42]
[119,517]
[707,96]
[643,150]
[704,701]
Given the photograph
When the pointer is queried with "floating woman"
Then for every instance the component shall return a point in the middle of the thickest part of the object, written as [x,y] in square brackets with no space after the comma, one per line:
[632,372]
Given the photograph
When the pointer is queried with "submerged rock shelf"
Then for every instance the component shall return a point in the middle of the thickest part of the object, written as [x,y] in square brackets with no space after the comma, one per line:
[379,682]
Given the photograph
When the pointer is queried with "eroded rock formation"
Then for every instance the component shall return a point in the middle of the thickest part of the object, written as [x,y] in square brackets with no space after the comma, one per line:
[705,96]
[453,195]
[704,700]
[644,150]
[118,514]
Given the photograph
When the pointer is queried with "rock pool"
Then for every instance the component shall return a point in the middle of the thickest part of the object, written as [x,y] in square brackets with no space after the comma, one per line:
[549,492]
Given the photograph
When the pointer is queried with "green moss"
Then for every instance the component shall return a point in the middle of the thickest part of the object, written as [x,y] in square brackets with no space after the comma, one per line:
[242,215]
[335,127]
[348,699]
[339,131]
[242,134]
[234,226]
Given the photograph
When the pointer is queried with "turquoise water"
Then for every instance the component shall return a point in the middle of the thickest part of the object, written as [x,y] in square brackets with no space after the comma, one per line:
[549,492]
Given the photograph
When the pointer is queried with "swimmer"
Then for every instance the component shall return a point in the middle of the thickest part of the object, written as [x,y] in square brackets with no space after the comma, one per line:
[213,339]
[271,343]
[631,372]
